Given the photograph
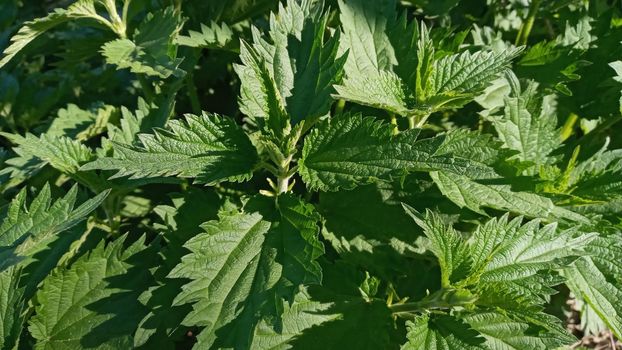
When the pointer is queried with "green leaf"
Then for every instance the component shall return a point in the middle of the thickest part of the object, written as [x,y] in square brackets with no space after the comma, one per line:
[370,79]
[32,29]
[149,52]
[290,76]
[598,178]
[26,231]
[12,311]
[297,318]
[214,36]
[243,264]
[382,90]
[457,79]
[474,195]
[364,36]
[446,244]
[503,332]
[510,257]
[529,124]
[93,303]
[60,152]
[430,332]
[180,222]
[81,124]
[596,281]
[210,148]
[348,151]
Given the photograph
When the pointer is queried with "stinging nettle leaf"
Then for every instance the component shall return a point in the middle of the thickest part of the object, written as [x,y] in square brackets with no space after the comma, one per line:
[93,303]
[209,148]
[31,30]
[290,75]
[245,262]
[350,150]
[149,51]
[29,230]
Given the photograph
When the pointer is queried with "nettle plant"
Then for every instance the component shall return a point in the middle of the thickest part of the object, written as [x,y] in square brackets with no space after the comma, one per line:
[383,181]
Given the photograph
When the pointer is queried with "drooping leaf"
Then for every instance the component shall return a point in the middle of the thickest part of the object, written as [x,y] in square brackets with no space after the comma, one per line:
[29,230]
[32,29]
[60,152]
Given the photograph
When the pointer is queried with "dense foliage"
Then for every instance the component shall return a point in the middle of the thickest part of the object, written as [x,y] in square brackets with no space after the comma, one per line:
[347,174]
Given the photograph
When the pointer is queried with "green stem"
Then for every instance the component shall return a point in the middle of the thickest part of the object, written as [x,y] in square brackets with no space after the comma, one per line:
[568,127]
[394,123]
[443,299]
[282,184]
[147,88]
[339,107]
[525,29]
[412,121]
[282,179]
[126,7]
[192,94]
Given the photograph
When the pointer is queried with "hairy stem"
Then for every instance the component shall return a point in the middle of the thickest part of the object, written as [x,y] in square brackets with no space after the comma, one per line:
[282,184]
[525,29]
[394,123]
[445,298]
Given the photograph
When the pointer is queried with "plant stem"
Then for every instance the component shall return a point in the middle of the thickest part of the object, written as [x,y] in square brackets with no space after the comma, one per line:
[192,94]
[412,121]
[147,88]
[282,184]
[445,298]
[282,179]
[339,107]
[525,29]
[417,120]
[394,122]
